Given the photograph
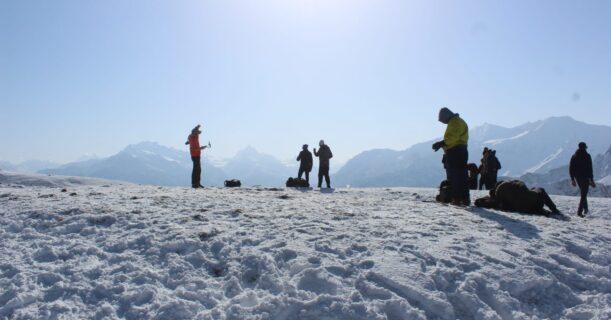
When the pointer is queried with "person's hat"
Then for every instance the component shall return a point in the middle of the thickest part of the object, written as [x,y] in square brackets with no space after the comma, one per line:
[445,114]
[582,145]
[321,142]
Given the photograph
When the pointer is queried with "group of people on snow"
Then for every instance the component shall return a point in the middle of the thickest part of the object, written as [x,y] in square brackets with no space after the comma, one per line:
[306,162]
[324,155]
[511,195]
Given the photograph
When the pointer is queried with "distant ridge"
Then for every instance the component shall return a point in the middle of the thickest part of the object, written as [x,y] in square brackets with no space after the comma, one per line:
[152,163]
[557,181]
[143,163]
[534,147]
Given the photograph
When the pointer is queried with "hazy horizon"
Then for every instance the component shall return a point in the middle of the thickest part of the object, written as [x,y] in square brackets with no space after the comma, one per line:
[82,78]
[337,162]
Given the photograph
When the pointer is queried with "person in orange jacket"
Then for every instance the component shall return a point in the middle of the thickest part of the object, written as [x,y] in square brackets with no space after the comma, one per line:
[196,153]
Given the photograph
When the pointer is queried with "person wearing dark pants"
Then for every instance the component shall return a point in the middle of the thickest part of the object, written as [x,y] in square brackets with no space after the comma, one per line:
[323,172]
[196,152]
[582,175]
[493,166]
[454,144]
[545,200]
[514,195]
[459,179]
[303,171]
[483,171]
[305,166]
[196,174]
[324,154]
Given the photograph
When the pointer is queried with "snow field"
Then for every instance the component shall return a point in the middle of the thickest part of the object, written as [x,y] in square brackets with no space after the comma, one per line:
[139,252]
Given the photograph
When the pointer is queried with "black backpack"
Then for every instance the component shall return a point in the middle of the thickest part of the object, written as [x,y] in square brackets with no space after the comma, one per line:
[445,192]
[233,183]
[297,183]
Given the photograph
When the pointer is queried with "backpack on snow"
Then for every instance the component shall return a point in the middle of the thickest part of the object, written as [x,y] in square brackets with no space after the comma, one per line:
[445,192]
[233,183]
[297,183]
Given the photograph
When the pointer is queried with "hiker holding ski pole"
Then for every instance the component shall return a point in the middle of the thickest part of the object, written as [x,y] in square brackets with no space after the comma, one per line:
[196,152]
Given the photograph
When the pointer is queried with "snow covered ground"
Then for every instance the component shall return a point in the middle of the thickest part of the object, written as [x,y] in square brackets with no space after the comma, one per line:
[120,251]
[42,180]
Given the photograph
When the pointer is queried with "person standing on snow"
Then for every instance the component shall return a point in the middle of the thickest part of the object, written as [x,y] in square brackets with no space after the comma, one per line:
[483,170]
[493,167]
[305,156]
[473,175]
[454,144]
[582,175]
[196,153]
[323,154]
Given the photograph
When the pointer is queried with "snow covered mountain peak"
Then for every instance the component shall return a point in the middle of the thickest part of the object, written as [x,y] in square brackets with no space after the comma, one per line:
[248,152]
[535,147]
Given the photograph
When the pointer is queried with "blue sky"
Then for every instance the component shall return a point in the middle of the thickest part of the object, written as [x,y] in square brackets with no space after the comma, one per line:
[90,77]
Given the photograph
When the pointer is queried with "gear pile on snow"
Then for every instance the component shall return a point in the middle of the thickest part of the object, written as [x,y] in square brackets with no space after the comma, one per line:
[297,183]
[233,183]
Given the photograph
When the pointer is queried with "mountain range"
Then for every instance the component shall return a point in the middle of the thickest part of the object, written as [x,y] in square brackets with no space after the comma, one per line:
[534,147]
[152,163]
[28,166]
[536,152]
[143,163]
[557,181]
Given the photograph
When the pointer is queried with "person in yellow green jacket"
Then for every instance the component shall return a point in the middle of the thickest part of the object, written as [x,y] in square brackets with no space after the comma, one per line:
[454,144]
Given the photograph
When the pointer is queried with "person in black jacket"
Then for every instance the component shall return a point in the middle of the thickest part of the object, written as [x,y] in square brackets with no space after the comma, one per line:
[493,166]
[514,195]
[323,154]
[581,173]
[483,171]
[473,174]
[305,156]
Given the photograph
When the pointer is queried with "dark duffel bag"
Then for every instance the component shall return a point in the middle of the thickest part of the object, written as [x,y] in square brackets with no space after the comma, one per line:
[233,183]
[445,193]
[297,183]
